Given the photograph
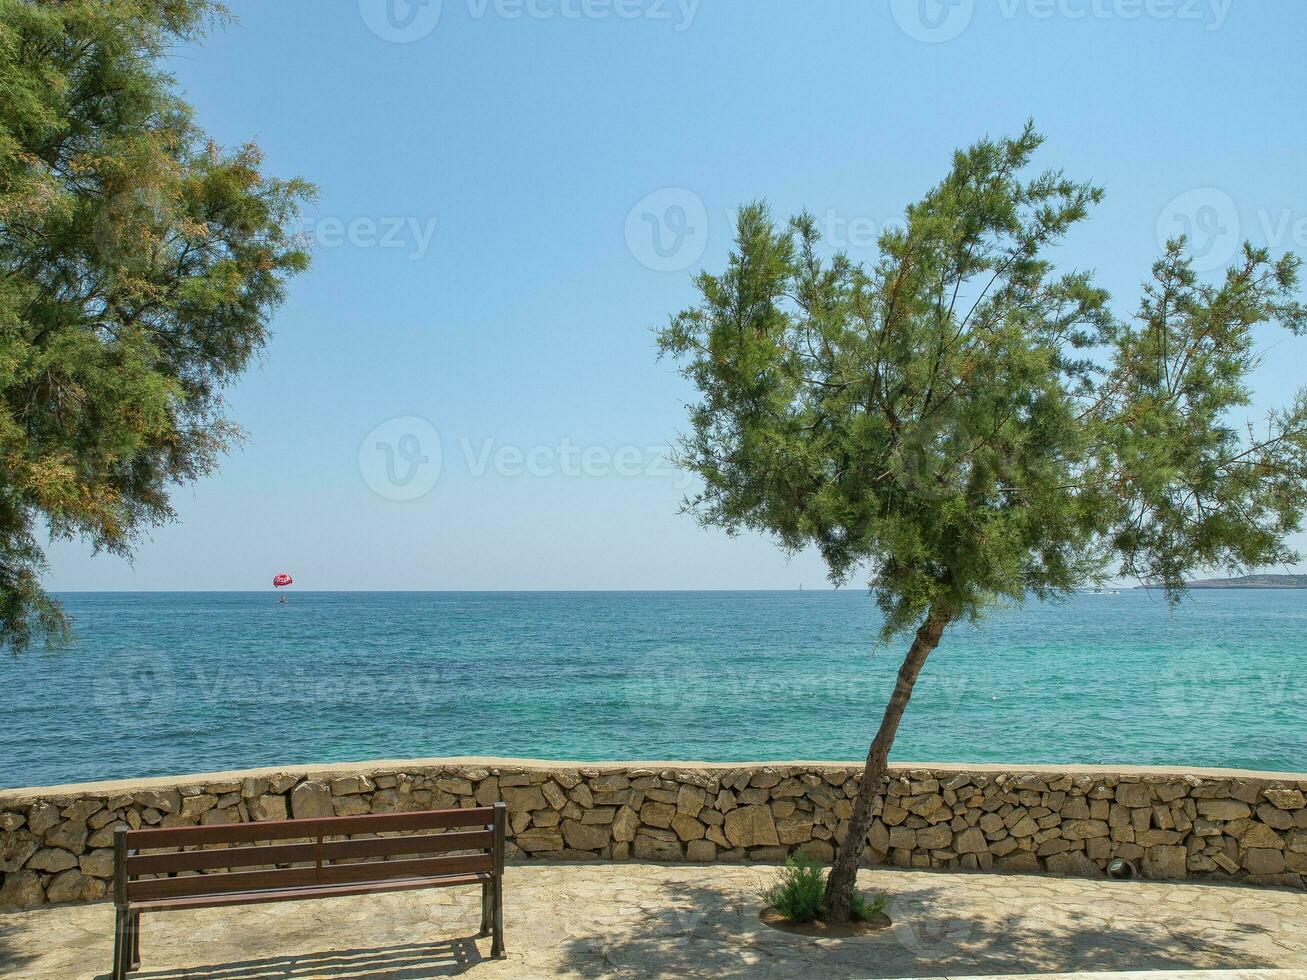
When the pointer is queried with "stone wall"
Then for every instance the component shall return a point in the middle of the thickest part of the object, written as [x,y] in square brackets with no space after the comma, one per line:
[55,843]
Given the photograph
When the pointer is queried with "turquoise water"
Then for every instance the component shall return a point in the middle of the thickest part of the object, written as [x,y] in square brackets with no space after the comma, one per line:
[166,683]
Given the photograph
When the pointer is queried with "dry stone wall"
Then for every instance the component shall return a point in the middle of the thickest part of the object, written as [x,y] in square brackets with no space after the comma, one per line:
[56,843]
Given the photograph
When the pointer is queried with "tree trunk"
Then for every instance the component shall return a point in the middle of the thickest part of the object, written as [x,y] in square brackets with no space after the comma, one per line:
[844,872]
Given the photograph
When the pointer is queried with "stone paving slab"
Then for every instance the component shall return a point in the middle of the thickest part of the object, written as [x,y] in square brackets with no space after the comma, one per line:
[651,920]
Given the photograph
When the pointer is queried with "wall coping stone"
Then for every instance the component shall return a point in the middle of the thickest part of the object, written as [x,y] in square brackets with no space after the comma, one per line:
[23,794]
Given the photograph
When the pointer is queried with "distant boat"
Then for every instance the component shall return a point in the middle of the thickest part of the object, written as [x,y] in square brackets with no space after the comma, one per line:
[1101,592]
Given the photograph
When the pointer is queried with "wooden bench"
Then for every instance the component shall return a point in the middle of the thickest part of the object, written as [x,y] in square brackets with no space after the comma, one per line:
[305,863]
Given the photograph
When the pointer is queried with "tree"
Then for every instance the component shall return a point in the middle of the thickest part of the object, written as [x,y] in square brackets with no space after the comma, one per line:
[971,427]
[139,267]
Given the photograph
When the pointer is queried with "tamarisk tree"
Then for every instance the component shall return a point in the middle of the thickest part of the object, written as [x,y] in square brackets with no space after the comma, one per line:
[969,427]
[139,268]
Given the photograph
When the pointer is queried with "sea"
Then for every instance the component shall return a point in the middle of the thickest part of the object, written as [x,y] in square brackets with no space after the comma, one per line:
[178,683]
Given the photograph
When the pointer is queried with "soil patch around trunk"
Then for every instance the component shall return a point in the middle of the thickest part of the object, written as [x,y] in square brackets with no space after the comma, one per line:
[824,930]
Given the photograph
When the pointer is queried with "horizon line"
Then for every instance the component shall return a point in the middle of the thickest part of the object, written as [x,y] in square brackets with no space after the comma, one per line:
[504,591]
[827,588]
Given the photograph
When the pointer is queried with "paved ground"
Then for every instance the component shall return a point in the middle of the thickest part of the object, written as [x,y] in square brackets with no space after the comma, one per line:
[641,920]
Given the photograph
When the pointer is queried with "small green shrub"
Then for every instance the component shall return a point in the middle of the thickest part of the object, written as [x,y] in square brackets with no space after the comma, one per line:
[863,910]
[797,891]
[800,886]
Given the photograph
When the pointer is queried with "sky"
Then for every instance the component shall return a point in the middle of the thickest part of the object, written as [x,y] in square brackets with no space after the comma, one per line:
[463,392]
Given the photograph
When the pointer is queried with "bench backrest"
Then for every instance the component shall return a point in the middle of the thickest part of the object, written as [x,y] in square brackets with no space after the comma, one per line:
[314,846]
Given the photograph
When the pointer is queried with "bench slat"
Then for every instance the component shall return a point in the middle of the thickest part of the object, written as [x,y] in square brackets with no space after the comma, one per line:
[281,879]
[244,857]
[300,894]
[369,823]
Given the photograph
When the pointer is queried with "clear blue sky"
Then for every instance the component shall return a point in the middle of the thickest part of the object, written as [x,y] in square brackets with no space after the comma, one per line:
[486,259]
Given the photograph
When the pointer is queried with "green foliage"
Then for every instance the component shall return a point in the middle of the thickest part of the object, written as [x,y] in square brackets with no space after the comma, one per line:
[139,267]
[967,424]
[861,910]
[797,890]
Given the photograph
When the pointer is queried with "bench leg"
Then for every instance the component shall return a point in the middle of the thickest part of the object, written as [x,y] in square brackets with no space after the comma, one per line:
[497,944]
[135,958]
[486,908]
[121,953]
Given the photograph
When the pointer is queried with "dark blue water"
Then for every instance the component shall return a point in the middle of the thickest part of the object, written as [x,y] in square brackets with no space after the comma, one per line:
[171,683]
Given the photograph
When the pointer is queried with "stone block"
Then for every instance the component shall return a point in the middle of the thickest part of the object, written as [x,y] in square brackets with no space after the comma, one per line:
[311,798]
[1085,829]
[1074,863]
[456,785]
[1285,799]
[700,850]
[1224,809]
[751,826]
[625,824]
[348,806]
[1259,835]
[97,863]
[1165,861]
[690,800]
[22,890]
[267,807]
[1263,861]
[586,836]
[971,841]
[487,791]
[163,800]
[655,814]
[687,828]
[536,840]
[15,849]
[648,848]
[345,786]
[1274,817]
[41,817]
[70,835]
[1017,861]
[523,798]
[795,829]
[52,859]
[73,886]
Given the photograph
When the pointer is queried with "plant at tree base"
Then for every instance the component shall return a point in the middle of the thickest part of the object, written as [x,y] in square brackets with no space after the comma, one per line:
[797,891]
[139,266]
[973,427]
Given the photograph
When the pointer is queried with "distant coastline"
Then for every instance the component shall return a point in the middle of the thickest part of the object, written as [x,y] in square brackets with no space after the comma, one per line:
[1247,582]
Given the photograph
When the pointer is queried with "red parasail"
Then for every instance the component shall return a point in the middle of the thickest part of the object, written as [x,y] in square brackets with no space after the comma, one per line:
[280,579]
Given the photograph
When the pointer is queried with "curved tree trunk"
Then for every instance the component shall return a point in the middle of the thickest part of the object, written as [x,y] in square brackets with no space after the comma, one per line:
[844,872]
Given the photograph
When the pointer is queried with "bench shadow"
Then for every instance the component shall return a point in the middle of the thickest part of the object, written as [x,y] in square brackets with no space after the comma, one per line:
[410,961]
[693,930]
